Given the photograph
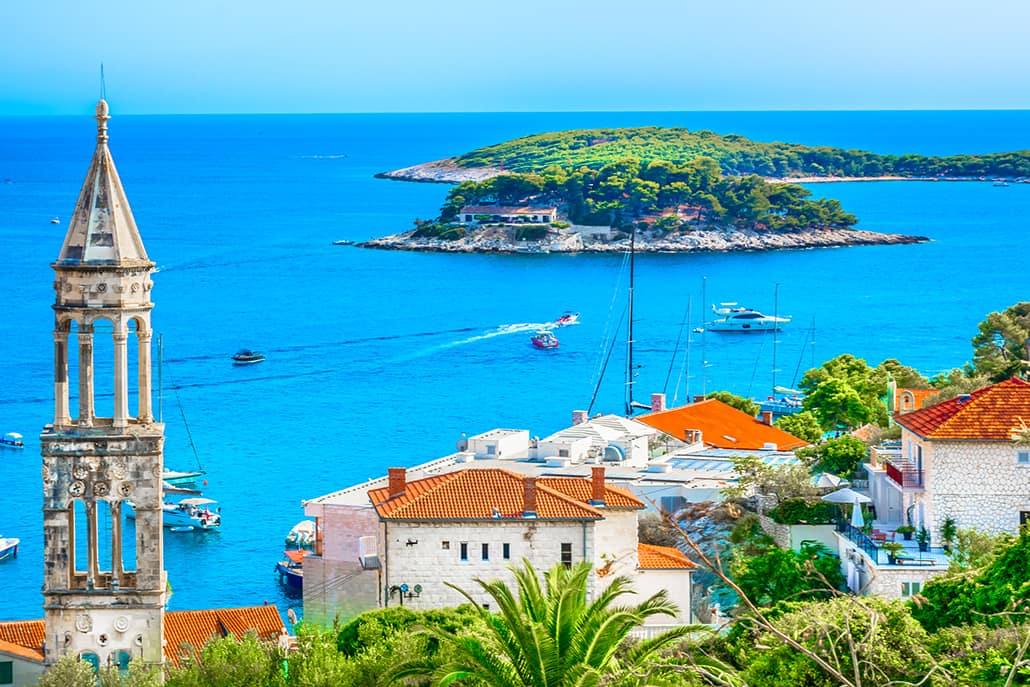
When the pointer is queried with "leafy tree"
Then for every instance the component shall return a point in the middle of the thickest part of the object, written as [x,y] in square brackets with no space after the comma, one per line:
[745,405]
[1001,349]
[776,574]
[69,671]
[550,636]
[872,642]
[957,381]
[837,405]
[841,455]
[755,476]
[905,377]
[231,662]
[803,425]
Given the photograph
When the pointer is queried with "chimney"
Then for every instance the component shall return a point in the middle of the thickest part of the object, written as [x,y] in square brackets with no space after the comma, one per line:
[767,417]
[597,486]
[398,481]
[698,399]
[529,497]
[657,403]
[579,417]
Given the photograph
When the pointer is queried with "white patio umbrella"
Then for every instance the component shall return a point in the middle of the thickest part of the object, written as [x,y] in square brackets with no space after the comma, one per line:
[828,480]
[857,519]
[846,495]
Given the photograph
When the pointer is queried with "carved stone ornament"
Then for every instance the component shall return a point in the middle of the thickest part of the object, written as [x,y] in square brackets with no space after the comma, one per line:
[125,489]
[101,489]
[77,488]
[135,286]
[83,623]
[46,473]
[121,623]
[117,470]
[157,471]
[101,287]
[80,472]
[93,462]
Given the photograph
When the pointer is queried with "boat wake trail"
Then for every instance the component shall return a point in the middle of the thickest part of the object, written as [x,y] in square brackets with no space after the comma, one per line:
[500,330]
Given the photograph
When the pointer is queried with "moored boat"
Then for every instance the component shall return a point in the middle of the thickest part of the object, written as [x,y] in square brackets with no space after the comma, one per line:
[198,513]
[178,478]
[291,568]
[12,440]
[736,318]
[8,547]
[567,318]
[246,356]
[544,339]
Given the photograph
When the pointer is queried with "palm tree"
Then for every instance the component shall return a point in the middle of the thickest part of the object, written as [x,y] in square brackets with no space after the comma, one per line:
[551,636]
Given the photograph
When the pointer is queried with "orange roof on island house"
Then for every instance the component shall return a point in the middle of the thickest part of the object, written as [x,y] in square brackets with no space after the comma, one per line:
[653,557]
[993,413]
[184,634]
[495,494]
[721,426]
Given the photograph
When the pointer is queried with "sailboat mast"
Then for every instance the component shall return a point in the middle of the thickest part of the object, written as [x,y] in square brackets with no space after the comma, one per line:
[776,329]
[704,330]
[629,326]
[686,390]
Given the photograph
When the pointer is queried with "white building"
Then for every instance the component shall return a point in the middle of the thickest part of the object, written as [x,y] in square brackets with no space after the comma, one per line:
[958,459]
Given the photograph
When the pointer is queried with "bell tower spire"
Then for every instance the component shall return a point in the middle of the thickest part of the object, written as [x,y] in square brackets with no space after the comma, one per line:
[104,581]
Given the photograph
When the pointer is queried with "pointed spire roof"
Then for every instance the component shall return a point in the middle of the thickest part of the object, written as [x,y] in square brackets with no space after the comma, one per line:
[102,230]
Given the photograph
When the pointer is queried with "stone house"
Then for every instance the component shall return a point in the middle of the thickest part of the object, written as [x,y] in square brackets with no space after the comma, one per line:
[507,214]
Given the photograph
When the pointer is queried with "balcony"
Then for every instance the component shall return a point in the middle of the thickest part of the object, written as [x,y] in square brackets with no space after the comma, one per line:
[904,474]
[908,557]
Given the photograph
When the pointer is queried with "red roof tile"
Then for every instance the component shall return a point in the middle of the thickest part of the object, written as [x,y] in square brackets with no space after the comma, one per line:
[582,490]
[988,414]
[11,649]
[653,557]
[474,494]
[192,629]
[721,426]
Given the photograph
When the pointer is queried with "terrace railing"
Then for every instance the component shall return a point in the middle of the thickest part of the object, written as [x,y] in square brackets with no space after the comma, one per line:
[904,474]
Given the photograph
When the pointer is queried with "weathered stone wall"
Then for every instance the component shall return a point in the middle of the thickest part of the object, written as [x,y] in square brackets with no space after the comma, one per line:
[978,484]
[426,562]
[779,533]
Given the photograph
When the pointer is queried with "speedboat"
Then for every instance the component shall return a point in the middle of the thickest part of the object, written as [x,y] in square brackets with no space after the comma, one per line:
[544,339]
[196,513]
[567,318]
[12,440]
[343,242]
[291,568]
[8,547]
[55,220]
[736,318]
[176,478]
[245,356]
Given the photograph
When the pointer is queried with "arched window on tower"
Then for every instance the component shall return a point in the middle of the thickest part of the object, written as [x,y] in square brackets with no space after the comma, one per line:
[103,368]
[92,659]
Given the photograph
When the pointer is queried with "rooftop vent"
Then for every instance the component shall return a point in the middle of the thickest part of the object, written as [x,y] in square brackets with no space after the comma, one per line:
[962,398]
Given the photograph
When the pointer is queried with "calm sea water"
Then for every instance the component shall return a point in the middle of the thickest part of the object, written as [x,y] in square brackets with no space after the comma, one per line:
[379,359]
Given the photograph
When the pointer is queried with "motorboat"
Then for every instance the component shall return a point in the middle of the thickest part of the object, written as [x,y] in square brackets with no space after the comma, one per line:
[8,547]
[178,478]
[197,513]
[544,339]
[343,242]
[291,568]
[55,220]
[736,318]
[302,535]
[567,318]
[245,356]
[12,440]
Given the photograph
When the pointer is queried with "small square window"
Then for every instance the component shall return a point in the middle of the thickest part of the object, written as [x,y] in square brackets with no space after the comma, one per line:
[566,554]
[464,551]
[1023,457]
[506,551]
[910,588]
[563,453]
[6,672]
[491,450]
[486,552]
[445,545]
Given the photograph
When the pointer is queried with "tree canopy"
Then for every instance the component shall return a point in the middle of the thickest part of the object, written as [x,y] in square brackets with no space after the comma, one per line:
[1001,348]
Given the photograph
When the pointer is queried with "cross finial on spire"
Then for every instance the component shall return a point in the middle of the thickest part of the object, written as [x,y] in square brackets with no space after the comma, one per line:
[102,118]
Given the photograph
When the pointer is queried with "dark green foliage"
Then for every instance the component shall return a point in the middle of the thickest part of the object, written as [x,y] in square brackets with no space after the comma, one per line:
[373,627]
[742,404]
[841,455]
[798,511]
[1001,349]
[624,190]
[844,393]
[886,642]
[228,662]
[1003,587]
[434,230]
[979,655]
[737,155]
[773,575]
[803,425]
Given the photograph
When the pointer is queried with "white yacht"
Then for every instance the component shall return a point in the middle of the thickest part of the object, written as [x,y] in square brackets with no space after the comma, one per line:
[736,318]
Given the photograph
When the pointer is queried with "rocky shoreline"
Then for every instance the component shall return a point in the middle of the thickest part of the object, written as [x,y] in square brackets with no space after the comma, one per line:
[698,241]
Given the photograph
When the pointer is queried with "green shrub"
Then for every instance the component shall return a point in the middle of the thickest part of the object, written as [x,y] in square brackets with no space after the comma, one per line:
[798,511]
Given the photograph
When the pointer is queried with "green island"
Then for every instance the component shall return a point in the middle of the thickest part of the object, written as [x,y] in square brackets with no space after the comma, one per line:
[586,190]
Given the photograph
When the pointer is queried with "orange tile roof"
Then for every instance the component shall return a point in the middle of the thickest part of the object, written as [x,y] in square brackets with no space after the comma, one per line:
[581,489]
[187,631]
[191,629]
[653,557]
[989,414]
[721,426]
[23,637]
[473,494]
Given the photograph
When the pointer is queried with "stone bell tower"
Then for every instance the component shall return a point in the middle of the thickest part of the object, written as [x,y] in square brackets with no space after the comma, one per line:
[104,580]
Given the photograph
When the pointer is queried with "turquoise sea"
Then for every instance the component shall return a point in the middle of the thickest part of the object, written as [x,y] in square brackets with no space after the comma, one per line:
[379,359]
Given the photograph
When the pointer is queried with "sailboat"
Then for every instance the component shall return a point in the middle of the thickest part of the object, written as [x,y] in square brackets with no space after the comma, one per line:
[182,479]
[787,400]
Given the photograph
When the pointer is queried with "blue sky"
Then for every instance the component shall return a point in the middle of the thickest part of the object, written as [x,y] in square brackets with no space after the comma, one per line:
[219,56]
